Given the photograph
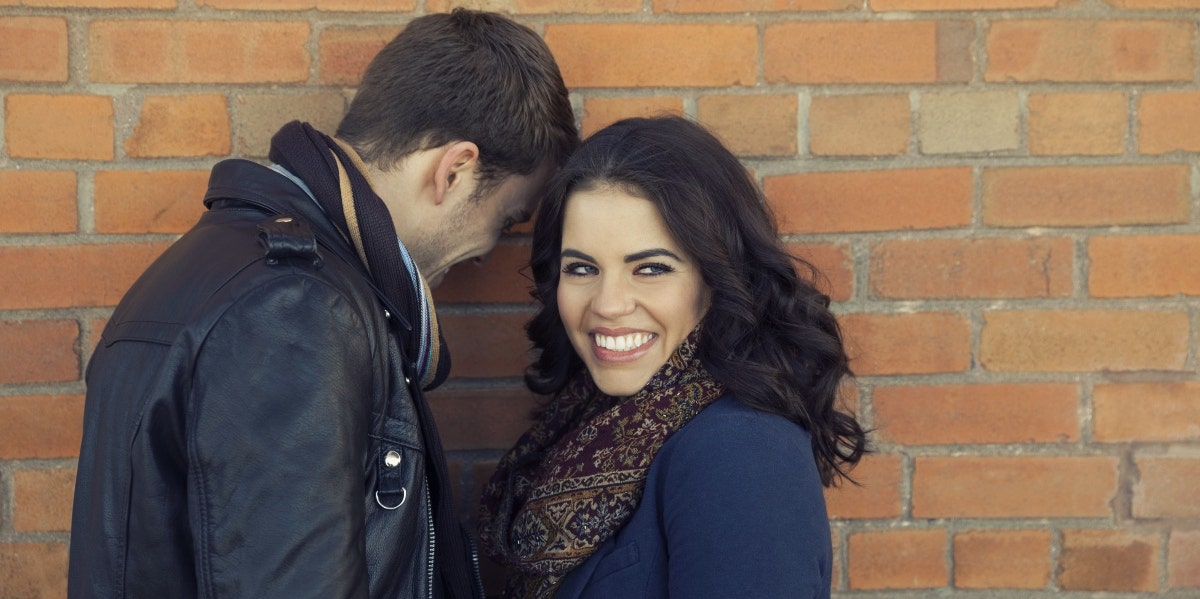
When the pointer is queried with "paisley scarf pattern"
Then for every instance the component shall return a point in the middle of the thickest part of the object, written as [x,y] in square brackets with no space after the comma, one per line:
[576,477]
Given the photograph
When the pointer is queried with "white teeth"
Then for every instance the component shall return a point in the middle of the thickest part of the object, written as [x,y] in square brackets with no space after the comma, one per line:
[622,343]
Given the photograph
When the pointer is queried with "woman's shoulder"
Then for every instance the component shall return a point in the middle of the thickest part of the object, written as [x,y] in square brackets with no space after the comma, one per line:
[728,420]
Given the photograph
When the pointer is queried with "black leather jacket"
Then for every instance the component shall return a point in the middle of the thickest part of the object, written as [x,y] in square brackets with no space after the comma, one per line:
[249,430]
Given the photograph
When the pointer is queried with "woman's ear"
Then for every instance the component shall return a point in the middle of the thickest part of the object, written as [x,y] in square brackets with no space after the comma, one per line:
[455,168]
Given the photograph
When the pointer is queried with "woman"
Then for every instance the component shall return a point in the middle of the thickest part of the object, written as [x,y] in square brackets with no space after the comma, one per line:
[694,376]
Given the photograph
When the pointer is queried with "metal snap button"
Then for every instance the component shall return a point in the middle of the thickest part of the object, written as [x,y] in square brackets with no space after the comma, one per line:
[284,219]
[392,459]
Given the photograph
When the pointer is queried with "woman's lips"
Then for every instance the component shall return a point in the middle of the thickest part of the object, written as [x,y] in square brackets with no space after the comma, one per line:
[622,348]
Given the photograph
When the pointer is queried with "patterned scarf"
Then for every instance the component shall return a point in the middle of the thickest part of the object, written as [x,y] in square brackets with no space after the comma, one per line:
[573,480]
[337,178]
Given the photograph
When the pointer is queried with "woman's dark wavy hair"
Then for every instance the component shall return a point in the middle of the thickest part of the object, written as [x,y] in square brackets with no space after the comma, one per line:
[769,335]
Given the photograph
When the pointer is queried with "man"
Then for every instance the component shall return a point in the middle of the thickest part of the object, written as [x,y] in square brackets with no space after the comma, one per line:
[255,424]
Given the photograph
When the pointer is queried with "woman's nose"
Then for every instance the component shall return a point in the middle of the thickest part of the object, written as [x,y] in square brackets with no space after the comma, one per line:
[614,297]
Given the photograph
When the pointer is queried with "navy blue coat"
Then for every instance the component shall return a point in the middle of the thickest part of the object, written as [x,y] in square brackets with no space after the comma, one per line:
[733,507]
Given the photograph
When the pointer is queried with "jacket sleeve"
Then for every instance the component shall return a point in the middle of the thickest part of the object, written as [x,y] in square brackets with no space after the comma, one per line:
[744,514]
[277,437]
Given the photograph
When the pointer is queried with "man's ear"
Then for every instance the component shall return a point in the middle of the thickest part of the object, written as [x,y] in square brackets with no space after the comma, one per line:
[456,166]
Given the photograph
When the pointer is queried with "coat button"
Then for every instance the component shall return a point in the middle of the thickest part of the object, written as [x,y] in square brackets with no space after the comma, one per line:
[392,459]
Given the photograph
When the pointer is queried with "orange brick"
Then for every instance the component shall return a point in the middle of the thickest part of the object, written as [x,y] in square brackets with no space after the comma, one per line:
[940,5]
[260,116]
[836,202]
[869,125]
[148,201]
[33,49]
[1163,412]
[1169,122]
[1086,196]
[1083,341]
[541,6]
[1080,50]
[1143,266]
[37,202]
[897,559]
[655,55]
[1089,124]
[601,112]
[1002,559]
[979,413]
[749,6]
[33,570]
[482,418]
[69,276]
[40,427]
[184,125]
[104,4]
[71,127]
[329,5]
[758,125]
[876,494]
[855,52]
[503,278]
[918,343]
[39,351]
[346,52]
[972,268]
[1183,559]
[198,51]
[835,264]
[1109,560]
[42,500]
[1166,487]
[1013,487]
[486,345]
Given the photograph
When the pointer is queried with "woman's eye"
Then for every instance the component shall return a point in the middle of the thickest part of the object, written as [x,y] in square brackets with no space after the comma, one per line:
[578,269]
[653,269]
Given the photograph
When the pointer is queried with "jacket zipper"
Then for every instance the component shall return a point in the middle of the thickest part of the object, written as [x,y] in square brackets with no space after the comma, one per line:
[432,542]
[480,593]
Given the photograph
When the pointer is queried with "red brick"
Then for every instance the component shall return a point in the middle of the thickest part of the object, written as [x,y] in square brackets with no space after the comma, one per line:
[38,351]
[1013,487]
[836,202]
[1084,341]
[1090,124]
[33,49]
[655,54]
[148,201]
[1078,50]
[1163,412]
[750,6]
[69,276]
[755,125]
[37,202]
[601,112]
[835,264]
[103,4]
[897,559]
[1002,559]
[487,345]
[198,51]
[346,52]
[482,418]
[852,52]
[866,125]
[1143,266]
[918,343]
[326,5]
[977,413]
[975,267]
[33,570]
[504,277]
[181,126]
[1109,560]
[542,6]
[1183,559]
[940,5]
[1084,196]
[42,500]
[40,427]
[1168,122]
[876,494]
[1167,487]
[71,127]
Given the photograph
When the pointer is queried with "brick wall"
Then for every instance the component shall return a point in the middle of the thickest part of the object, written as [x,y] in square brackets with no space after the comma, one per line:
[1002,193]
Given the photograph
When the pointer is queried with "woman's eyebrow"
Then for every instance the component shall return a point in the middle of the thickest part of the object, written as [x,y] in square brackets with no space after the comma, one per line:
[576,254]
[642,255]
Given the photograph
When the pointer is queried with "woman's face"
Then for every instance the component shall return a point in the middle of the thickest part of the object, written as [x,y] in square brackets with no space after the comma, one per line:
[628,295]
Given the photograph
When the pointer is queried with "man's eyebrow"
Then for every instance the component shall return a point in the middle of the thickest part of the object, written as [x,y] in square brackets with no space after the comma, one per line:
[642,255]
